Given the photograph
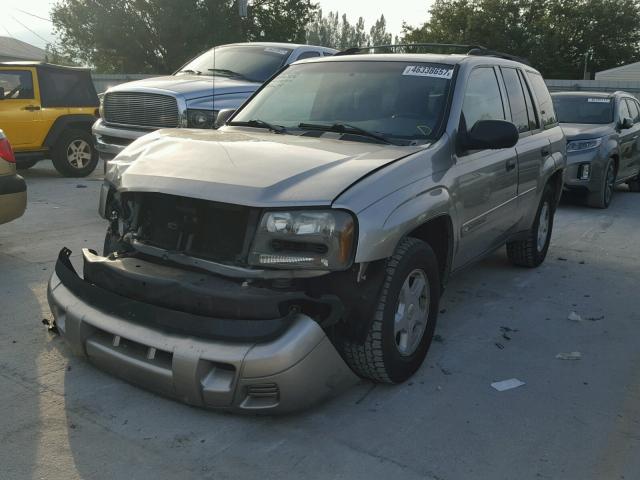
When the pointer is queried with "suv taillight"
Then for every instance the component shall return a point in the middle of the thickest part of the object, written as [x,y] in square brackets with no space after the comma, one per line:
[6,152]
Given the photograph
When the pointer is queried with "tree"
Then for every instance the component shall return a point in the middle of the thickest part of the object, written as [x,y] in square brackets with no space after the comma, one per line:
[158,36]
[553,34]
[378,34]
[337,32]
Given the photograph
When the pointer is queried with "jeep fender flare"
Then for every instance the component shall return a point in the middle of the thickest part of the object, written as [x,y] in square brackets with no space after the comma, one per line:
[64,122]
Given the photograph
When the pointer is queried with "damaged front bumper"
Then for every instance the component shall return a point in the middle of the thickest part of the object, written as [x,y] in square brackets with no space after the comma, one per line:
[254,365]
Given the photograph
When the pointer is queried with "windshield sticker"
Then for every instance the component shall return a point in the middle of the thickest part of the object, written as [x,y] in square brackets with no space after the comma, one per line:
[279,51]
[599,100]
[426,71]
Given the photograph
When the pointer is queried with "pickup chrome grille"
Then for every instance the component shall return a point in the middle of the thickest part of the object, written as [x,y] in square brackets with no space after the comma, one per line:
[141,109]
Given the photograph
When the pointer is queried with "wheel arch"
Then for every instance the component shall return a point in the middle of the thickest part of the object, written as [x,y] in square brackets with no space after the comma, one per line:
[65,122]
[437,232]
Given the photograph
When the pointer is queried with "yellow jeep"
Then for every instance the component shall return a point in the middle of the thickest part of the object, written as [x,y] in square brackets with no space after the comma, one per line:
[47,111]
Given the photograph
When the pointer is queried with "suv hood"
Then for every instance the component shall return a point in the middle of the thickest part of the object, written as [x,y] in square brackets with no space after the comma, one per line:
[583,131]
[189,86]
[244,167]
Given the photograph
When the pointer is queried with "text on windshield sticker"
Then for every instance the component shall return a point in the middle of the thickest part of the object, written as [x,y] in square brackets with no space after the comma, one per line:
[599,100]
[427,71]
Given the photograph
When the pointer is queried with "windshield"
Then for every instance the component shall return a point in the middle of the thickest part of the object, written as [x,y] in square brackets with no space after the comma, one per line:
[583,109]
[249,62]
[400,101]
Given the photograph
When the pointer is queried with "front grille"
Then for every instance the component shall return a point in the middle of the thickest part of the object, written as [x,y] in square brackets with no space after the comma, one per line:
[199,228]
[141,109]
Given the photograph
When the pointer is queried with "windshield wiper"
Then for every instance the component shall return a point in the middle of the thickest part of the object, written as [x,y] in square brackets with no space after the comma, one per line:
[228,73]
[340,127]
[194,72]
[261,124]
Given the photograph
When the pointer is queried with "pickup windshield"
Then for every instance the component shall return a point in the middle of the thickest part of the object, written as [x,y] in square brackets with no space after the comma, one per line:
[583,109]
[247,62]
[401,102]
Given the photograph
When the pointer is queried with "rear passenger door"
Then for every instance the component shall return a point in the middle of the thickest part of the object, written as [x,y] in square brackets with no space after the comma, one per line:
[533,146]
[487,179]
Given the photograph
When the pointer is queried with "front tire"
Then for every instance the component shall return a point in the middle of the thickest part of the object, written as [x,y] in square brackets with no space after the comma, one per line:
[531,251]
[602,198]
[402,330]
[74,154]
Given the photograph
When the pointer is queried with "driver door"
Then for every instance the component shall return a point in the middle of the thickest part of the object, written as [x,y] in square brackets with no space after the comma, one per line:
[19,109]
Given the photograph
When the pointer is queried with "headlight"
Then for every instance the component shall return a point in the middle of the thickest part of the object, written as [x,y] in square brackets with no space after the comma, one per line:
[580,145]
[311,239]
[201,118]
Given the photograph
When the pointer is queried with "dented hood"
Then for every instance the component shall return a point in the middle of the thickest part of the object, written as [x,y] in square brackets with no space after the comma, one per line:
[248,167]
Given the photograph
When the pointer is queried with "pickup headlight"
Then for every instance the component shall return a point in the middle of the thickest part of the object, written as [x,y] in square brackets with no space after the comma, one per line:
[581,145]
[201,118]
[309,239]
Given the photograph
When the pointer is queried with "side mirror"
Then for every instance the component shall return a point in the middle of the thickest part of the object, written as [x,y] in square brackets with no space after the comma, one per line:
[1,93]
[223,116]
[626,123]
[492,135]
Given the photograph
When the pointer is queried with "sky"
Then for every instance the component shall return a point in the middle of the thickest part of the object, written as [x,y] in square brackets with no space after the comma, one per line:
[19,17]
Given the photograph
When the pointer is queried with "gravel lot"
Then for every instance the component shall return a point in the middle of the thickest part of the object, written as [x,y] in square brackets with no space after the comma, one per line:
[63,419]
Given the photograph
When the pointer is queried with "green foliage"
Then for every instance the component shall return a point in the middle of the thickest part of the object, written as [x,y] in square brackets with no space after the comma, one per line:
[337,32]
[158,36]
[553,34]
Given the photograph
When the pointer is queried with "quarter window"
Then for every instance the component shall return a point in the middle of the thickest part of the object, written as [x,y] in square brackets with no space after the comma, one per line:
[517,102]
[547,113]
[633,110]
[623,110]
[310,54]
[17,84]
[482,100]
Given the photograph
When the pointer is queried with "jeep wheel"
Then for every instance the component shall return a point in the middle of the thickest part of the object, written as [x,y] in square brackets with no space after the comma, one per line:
[405,318]
[602,198]
[74,154]
[531,251]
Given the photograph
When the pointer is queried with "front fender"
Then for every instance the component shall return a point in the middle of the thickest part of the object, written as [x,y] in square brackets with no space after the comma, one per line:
[386,222]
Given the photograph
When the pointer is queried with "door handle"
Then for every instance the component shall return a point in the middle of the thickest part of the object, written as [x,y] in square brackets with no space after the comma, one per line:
[32,108]
[545,152]
[511,164]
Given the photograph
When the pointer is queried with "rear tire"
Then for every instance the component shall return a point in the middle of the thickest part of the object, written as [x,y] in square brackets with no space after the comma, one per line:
[602,198]
[405,318]
[74,154]
[531,251]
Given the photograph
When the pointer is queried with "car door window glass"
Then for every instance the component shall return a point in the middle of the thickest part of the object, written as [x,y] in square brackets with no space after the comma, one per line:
[517,103]
[304,55]
[623,111]
[482,100]
[547,113]
[17,84]
[531,112]
[633,110]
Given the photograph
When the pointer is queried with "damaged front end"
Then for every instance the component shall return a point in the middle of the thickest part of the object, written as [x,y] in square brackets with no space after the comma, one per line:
[218,305]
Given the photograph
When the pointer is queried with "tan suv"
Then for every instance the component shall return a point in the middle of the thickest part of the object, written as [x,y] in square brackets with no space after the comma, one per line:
[13,190]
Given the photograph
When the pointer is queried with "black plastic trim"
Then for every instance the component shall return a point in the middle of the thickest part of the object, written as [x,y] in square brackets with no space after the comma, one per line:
[62,123]
[11,184]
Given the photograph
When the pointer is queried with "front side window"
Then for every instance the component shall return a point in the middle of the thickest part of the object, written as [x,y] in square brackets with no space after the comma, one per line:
[517,103]
[583,109]
[252,63]
[547,112]
[17,84]
[482,100]
[403,102]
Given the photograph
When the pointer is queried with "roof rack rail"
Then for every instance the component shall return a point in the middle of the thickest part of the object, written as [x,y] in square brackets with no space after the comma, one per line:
[476,50]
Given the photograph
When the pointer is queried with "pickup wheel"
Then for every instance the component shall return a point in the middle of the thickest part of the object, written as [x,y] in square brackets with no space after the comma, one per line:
[531,251]
[405,318]
[602,198]
[74,154]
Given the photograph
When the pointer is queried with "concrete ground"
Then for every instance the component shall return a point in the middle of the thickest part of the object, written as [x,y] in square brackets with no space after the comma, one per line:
[63,419]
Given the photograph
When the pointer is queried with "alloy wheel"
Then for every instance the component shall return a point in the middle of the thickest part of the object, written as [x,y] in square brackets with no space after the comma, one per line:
[412,312]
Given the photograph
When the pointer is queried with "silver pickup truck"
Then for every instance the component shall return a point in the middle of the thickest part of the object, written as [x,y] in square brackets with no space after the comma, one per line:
[223,77]
[257,267]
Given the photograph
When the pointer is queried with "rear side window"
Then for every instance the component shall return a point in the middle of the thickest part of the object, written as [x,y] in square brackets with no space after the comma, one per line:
[517,103]
[547,113]
[66,88]
[17,84]
[531,112]
[633,110]
[623,111]
[482,100]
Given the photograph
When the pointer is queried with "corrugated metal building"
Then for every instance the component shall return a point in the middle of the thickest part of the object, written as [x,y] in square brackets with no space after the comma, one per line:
[625,73]
[12,50]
